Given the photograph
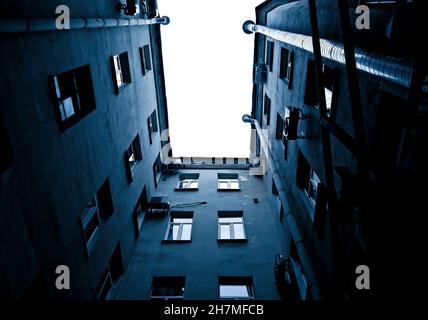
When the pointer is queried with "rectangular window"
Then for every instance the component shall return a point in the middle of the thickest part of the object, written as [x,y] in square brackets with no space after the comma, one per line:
[6,153]
[146,63]
[330,82]
[179,226]
[99,208]
[152,125]
[132,156]
[309,182]
[188,181]
[140,211]
[73,95]
[279,126]
[167,288]
[266,109]
[231,225]
[111,273]
[286,66]
[157,170]
[236,288]
[228,182]
[270,47]
[121,70]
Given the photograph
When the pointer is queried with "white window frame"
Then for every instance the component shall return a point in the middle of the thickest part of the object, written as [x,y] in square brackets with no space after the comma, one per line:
[229,184]
[249,288]
[171,225]
[186,184]
[120,81]
[231,227]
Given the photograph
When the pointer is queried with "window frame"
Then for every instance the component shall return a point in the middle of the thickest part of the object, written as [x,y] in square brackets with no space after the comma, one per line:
[270,54]
[176,281]
[75,84]
[152,125]
[188,178]
[246,282]
[267,102]
[181,215]
[231,215]
[120,66]
[145,56]
[228,178]
[134,150]
[286,68]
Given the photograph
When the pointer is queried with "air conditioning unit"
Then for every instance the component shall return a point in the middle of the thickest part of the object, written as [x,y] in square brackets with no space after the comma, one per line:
[158,205]
[291,125]
[260,73]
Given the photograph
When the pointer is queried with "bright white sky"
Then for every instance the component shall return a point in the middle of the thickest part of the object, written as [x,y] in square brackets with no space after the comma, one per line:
[208,72]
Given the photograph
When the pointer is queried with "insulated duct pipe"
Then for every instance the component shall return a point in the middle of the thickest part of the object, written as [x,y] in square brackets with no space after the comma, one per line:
[49,24]
[395,70]
[301,246]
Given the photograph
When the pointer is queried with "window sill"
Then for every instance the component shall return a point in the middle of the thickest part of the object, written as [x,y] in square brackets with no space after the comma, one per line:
[176,241]
[186,189]
[227,190]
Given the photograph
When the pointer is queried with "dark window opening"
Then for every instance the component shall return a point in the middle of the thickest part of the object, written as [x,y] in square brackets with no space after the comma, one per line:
[140,211]
[132,156]
[146,63]
[99,208]
[270,46]
[157,170]
[330,82]
[266,109]
[152,124]
[121,70]
[286,66]
[6,152]
[279,127]
[167,288]
[73,95]
[111,274]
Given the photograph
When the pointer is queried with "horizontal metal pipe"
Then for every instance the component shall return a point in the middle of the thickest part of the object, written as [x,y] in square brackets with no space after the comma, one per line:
[296,233]
[19,25]
[395,70]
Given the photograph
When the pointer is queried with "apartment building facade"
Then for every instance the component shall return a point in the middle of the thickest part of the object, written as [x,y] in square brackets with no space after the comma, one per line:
[82,111]
[346,218]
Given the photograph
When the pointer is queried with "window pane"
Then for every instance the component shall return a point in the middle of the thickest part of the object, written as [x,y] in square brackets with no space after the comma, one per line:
[222,184]
[68,107]
[234,185]
[234,291]
[193,185]
[239,231]
[187,230]
[182,220]
[224,231]
[175,230]
[328,98]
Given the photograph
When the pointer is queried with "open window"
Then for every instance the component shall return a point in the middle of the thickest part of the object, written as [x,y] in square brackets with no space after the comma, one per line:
[179,227]
[132,156]
[167,288]
[188,182]
[121,70]
[73,95]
